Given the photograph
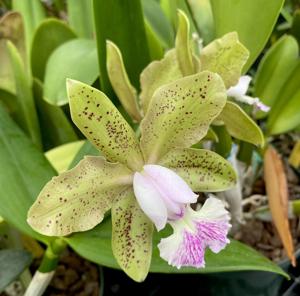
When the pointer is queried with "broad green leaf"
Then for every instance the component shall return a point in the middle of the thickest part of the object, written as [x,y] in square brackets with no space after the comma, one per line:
[240,125]
[295,29]
[77,200]
[11,28]
[182,45]
[202,14]
[224,145]
[225,56]
[274,69]
[24,95]
[121,22]
[253,20]
[158,22]
[288,118]
[24,170]
[13,263]
[180,114]
[52,118]
[95,245]
[155,47]
[62,156]
[284,115]
[100,121]
[120,81]
[33,14]
[80,16]
[86,149]
[131,236]
[211,136]
[170,8]
[203,170]
[10,102]
[49,35]
[157,74]
[76,59]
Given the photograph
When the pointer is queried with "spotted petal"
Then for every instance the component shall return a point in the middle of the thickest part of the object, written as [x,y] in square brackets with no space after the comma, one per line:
[203,170]
[101,122]
[78,199]
[156,74]
[131,236]
[180,114]
[196,231]
[225,56]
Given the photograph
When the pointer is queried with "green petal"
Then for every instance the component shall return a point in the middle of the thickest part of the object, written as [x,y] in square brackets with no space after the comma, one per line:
[180,114]
[240,125]
[156,74]
[182,45]
[225,56]
[100,121]
[203,170]
[78,199]
[120,81]
[131,236]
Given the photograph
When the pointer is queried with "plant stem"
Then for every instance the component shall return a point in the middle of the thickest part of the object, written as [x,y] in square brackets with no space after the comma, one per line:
[45,273]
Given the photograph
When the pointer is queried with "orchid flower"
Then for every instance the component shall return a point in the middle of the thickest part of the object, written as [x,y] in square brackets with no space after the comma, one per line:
[147,181]
[238,92]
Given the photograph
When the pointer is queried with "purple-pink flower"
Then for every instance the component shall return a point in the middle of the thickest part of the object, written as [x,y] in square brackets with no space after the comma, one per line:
[165,198]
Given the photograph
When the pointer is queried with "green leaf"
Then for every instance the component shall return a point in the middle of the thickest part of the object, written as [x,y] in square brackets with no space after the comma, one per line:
[202,14]
[180,114]
[33,14]
[182,45]
[131,236]
[274,70]
[24,95]
[100,121]
[76,59]
[86,149]
[203,170]
[240,125]
[49,35]
[225,56]
[11,28]
[120,81]
[24,170]
[295,29]
[10,102]
[52,118]
[155,47]
[284,115]
[13,263]
[77,200]
[80,15]
[246,18]
[157,74]
[95,245]
[122,23]
[158,22]
[288,118]
[224,145]
[62,156]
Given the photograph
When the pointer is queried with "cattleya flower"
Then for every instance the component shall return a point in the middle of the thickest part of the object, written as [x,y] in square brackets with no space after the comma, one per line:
[147,180]
[238,92]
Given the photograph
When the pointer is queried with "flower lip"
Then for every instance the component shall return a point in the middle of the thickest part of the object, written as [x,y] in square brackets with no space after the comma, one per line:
[196,231]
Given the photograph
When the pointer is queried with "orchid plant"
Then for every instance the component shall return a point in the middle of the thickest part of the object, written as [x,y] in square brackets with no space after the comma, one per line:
[152,177]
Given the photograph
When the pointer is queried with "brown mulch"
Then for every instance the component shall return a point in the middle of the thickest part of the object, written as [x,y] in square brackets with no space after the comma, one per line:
[74,276]
[262,235]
